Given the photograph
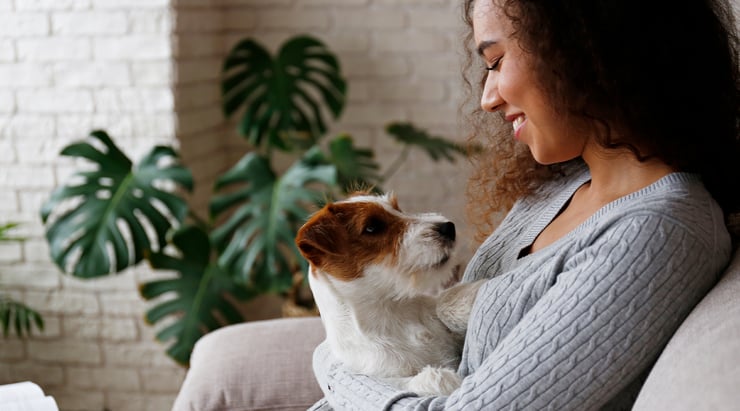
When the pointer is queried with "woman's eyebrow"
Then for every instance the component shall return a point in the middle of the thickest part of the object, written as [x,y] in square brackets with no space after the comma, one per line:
[483,45]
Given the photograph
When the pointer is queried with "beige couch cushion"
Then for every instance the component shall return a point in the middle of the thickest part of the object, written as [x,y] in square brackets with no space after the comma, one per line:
[700,367]
[222,368]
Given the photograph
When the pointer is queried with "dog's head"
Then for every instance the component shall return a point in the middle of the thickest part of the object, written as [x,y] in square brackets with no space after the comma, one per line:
[368,237]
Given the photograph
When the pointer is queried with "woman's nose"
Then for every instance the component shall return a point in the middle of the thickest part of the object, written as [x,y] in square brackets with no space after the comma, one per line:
[491,99]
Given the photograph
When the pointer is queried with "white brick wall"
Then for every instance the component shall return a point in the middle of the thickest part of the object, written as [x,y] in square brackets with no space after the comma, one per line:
[402,59]
[66,67]
[148,72]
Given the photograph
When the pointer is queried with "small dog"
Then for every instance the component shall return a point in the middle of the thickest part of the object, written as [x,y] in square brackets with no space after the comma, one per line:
[375,273]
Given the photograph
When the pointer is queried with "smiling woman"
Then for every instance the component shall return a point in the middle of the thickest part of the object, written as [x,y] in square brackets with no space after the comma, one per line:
[620,194]
[624,88]
[508,89]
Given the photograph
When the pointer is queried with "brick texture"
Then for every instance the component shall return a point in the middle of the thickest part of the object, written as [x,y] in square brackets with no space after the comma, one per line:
[147,71]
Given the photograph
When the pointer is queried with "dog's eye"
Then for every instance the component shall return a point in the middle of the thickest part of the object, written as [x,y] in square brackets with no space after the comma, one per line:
[373,226]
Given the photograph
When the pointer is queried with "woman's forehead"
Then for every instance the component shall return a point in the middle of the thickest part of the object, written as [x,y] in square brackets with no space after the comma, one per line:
[489,22]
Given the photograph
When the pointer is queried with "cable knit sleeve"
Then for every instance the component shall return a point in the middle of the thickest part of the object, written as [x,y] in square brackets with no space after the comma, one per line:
[569,338]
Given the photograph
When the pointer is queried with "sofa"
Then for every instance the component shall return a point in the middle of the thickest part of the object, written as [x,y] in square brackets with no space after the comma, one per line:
[266,365]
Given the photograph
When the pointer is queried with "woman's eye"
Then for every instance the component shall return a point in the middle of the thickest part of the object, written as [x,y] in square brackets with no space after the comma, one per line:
[494,66]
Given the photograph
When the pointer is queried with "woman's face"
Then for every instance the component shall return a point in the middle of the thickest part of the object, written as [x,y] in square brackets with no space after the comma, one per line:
[511,88]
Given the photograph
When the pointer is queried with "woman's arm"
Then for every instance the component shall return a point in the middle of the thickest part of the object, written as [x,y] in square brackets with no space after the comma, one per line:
[593,332]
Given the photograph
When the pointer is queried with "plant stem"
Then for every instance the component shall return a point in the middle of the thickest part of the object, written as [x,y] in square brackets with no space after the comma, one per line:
[396,164]
[200,222]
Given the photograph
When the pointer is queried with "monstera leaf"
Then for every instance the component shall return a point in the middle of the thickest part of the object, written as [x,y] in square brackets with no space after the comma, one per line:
[18,317]
[201,292]
[257,241]
[436,147]
[281,97]
[13,314]
[356,167]
[102,220]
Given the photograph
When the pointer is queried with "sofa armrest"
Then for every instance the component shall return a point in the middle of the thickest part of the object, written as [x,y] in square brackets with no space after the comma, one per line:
[698,369]
[262,365]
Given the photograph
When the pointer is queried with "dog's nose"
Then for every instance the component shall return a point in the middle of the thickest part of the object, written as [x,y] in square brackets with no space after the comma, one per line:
[447,230]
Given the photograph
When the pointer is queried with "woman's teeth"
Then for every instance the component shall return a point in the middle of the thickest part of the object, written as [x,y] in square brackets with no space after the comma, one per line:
[518,122]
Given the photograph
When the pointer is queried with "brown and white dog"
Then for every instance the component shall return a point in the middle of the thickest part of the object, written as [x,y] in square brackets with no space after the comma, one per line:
[376,273]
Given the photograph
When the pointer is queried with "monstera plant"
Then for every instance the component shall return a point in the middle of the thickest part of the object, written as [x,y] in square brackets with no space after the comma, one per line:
[115,214]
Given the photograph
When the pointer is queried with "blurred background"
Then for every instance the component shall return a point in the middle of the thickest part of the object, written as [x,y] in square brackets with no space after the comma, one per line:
[148,72]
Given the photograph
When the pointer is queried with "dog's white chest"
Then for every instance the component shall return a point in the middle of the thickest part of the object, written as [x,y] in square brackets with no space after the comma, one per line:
[384,338]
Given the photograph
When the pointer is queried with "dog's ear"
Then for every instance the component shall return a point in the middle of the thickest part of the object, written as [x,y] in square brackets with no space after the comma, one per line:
[316,239]
[309,250]
[393,200]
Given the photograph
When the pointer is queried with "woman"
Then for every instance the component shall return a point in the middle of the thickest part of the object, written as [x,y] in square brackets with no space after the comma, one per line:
[620,176]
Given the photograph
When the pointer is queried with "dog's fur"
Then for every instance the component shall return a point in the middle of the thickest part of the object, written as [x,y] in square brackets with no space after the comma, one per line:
[375,273]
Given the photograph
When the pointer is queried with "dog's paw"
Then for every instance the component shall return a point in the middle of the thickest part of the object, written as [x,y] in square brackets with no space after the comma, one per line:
[434,381]
[455,303]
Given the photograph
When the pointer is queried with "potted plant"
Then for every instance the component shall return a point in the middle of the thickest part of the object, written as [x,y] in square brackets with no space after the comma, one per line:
[118,213]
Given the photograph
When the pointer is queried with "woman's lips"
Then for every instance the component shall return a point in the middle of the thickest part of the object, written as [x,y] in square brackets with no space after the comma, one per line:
[517,124]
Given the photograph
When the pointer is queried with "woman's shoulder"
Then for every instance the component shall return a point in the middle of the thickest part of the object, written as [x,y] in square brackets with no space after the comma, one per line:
[677,203]
[676,194]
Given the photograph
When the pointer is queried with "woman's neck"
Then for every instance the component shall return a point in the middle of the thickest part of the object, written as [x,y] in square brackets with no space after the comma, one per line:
[615,174]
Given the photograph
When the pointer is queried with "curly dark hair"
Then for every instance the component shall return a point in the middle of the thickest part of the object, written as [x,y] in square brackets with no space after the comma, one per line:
[657,77]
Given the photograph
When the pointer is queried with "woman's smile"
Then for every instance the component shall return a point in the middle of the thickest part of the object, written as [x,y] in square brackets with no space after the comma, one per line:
[518,123]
